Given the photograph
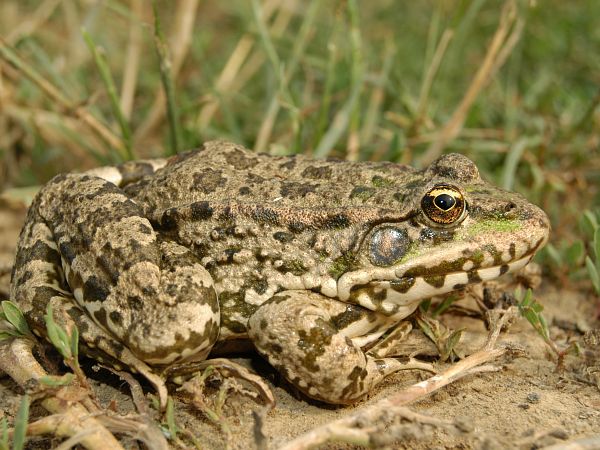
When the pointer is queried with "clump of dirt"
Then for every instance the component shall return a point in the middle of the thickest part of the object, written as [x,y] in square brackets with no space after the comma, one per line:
[527,403]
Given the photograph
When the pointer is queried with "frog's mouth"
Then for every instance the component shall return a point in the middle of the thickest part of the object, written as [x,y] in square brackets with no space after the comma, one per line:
[399,289]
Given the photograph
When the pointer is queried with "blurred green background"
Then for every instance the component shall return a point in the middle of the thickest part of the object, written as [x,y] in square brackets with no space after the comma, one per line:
[514,85]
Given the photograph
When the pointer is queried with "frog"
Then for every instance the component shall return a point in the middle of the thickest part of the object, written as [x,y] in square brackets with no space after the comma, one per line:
[317,263]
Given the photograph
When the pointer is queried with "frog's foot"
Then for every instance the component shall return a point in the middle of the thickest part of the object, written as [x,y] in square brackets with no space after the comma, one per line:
[301,335]
[227,368]
[98,344]
[387,345]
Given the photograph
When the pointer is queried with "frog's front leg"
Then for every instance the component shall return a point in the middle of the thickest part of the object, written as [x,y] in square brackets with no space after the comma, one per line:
[152,295]
[316,344]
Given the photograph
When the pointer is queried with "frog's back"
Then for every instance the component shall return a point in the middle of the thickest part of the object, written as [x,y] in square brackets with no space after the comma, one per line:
[225,172]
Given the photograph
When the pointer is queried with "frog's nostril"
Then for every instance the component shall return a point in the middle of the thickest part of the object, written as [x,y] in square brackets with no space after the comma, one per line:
[509,207]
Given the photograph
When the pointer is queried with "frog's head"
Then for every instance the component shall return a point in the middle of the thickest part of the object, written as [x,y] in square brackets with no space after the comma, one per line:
[457,230]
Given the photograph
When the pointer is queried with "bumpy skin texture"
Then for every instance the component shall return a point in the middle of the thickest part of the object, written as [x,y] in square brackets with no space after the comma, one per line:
[312,260]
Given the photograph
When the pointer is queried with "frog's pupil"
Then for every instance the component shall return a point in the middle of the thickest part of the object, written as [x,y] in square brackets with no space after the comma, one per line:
[444,201]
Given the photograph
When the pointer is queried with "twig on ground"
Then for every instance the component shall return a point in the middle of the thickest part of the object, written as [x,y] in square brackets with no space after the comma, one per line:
[69,418]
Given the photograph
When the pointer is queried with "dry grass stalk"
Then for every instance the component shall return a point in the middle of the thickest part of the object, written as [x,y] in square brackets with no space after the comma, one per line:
[100,129]
[500,41]
[134,50]
[33,22]
[432,70]
[179,45]
[70,418]
[230,73]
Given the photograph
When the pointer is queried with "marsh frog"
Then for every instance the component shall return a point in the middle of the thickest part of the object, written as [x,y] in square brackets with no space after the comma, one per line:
[159,262]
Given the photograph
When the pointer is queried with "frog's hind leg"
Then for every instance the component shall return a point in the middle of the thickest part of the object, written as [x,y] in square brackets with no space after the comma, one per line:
[149,294]
[304,335]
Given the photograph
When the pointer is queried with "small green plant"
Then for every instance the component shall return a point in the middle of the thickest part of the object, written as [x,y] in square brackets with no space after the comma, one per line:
[444,338]
[18,327]
[592,262]
[67,344]
[531,310]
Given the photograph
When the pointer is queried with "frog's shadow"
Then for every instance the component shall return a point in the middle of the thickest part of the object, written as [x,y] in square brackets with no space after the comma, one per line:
[102,374]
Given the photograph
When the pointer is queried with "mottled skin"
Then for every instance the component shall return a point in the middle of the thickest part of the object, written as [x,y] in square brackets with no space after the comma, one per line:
[312,260]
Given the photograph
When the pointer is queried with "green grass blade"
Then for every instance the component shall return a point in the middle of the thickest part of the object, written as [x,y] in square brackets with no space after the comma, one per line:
[109,84]
[15,317]
[56,334]
[21,420]
[593,273]
[166,77]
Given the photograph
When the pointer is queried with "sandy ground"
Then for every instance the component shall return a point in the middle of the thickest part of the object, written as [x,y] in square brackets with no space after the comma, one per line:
[527,404]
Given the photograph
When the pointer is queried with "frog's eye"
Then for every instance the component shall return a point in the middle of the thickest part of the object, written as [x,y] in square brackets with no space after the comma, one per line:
[444,205]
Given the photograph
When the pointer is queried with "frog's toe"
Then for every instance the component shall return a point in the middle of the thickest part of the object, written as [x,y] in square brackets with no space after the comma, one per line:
[227,368]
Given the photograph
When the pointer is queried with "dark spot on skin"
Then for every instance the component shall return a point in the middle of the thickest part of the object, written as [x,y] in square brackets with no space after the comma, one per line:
[230,253]
[39,251]
[263,324]
[289,164]
[144,229]
[116,317]
[352,314]
[337,221]
[377,296]
[403,284]
[317,173]
[108,267]
[252,178]
[356,384]
[295,190]
[265,215]
[24,277]
[362,192]
[314,343]
[503,269]
[94,290]
[473,276]
[135,303]
[437,281]
[226,215]
[379,181]
[239,160]
[293,266]
[344,263]
[201,211]
[458,286]
[100,316]
[169,219]
[512,250]
[244,190]
[296,227]
[208,180]
[283,237]
[67,252]
[260,285]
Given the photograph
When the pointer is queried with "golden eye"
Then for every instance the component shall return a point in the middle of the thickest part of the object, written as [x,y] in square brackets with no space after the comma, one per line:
[444,204]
